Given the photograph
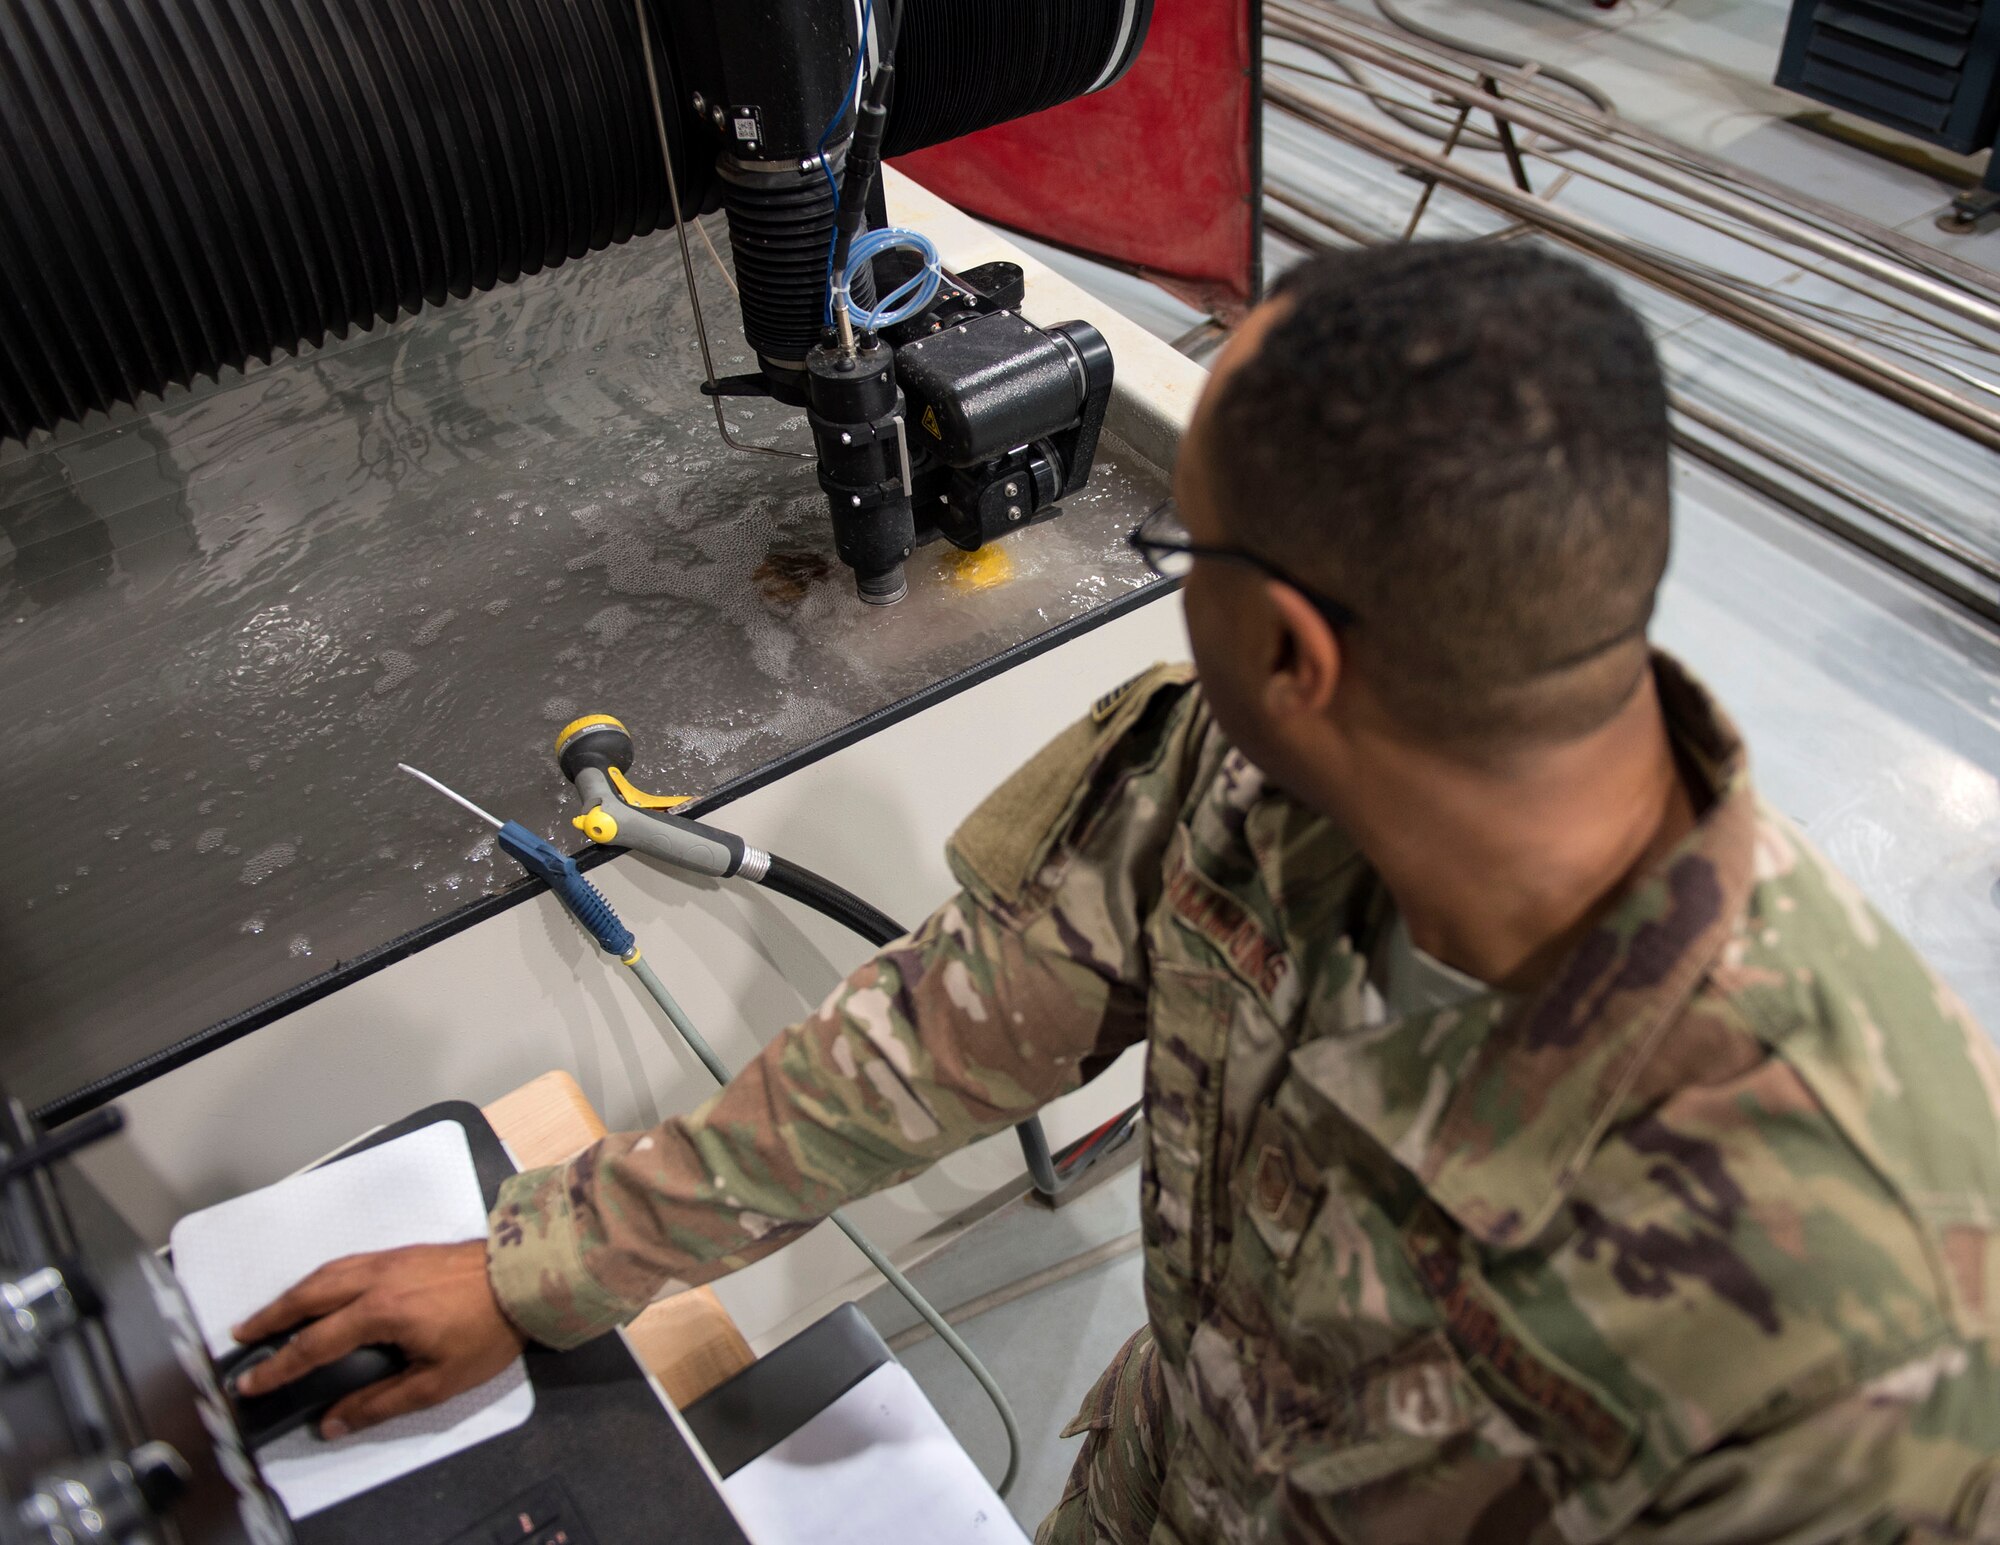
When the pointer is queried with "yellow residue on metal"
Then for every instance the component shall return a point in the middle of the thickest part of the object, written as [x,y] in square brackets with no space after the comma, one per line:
[980,570]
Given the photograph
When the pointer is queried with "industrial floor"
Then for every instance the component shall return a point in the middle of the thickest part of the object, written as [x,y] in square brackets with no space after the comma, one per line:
[1045,1346]
[1871,708]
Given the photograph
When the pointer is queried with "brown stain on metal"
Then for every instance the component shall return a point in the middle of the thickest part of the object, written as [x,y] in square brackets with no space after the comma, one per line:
[786,575]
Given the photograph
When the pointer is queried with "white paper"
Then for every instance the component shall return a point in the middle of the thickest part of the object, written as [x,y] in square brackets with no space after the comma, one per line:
[234,1258]
[878,1464]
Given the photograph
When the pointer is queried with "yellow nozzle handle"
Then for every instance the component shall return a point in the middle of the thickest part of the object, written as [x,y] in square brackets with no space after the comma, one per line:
[639,799]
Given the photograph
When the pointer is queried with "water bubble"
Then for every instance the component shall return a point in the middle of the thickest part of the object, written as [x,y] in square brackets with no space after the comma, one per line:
[268,862]
[300,947]
[210,840]
[397,668]
[161,844]
[115,832]
[253,925]
[429,631]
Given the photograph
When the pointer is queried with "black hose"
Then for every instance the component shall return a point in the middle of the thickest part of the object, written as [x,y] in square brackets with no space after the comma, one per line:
[964,65]
[878,928]
[830,900]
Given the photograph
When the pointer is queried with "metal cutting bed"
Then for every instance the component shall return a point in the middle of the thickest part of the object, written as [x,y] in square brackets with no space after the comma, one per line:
[227,618]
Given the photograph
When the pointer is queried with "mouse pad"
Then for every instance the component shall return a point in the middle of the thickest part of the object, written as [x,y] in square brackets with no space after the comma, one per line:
[418,1188]
[599,1436]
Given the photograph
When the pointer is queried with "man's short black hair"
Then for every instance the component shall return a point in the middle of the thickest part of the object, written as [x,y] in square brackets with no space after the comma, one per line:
[1467,444]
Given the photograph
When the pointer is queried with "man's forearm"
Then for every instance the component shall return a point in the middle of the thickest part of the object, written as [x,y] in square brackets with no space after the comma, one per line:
[962,1030]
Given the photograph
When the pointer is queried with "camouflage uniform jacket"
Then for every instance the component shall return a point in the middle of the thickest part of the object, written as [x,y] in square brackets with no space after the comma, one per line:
[1699,1242]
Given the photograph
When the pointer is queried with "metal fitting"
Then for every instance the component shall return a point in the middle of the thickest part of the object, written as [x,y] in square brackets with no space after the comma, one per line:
[34,1310]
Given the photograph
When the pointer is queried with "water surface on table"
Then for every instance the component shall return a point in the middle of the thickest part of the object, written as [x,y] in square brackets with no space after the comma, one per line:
[223,621]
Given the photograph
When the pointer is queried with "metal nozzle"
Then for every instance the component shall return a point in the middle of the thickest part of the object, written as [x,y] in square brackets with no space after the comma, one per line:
[884,589]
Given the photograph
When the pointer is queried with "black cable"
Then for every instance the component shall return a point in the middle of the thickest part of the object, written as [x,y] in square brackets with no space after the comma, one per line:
[864,158]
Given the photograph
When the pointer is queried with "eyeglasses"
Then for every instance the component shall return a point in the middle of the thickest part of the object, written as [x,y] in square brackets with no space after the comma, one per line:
[1162,541]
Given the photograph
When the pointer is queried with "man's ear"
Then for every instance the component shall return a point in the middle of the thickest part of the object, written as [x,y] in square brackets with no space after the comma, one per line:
[1304,671]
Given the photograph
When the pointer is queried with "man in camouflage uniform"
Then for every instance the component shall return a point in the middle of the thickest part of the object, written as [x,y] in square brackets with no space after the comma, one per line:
[1542,1142]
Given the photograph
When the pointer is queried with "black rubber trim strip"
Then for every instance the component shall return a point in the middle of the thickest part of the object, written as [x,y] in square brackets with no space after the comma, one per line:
[345,972]
[752,1412]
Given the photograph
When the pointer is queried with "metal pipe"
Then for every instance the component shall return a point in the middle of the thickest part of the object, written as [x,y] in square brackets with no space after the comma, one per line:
[1858,532]
[1698,215]
[1913,391]
[687,257]
[1299,204]
[1562,103]
[1430,183]
[1784,202]
[1961,553]
[1855,532]
[1316,18]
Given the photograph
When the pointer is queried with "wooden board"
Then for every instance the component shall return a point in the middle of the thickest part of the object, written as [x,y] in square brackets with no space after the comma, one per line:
[688,1342]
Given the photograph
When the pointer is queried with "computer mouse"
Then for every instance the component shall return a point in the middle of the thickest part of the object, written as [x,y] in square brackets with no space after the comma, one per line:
[265,1418]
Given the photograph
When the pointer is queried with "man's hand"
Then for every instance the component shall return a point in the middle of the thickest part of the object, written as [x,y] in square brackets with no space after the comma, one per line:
[433,1301]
